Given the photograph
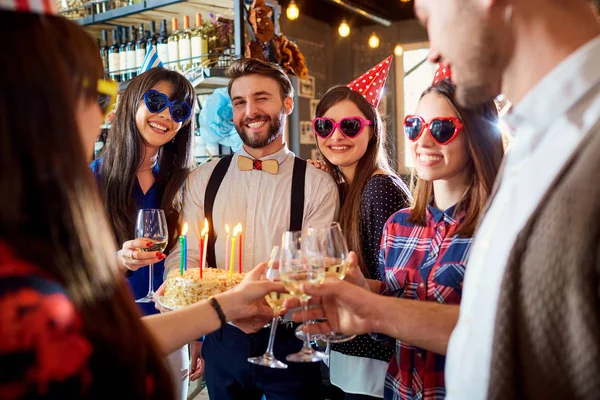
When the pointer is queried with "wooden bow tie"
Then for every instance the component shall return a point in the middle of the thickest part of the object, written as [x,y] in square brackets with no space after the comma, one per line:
[248,164]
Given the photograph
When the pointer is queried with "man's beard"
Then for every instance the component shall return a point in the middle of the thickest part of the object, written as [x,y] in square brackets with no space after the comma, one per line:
[274,130]
[483,71]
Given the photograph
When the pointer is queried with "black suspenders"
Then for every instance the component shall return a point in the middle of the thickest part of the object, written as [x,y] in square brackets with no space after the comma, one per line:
[214,182]
[297,195]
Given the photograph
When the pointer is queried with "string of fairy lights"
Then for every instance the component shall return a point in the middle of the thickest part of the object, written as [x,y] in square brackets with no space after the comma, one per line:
[293,12]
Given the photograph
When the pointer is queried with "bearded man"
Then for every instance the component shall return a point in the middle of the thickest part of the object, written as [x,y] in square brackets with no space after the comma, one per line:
[269,191]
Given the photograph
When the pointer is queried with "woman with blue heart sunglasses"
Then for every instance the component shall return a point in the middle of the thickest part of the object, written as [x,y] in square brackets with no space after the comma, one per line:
[143,165]
[157,102]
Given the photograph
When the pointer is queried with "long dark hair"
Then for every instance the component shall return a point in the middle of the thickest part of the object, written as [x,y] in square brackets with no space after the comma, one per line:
[485,152]
[123,156]
[50,211]
[375,158]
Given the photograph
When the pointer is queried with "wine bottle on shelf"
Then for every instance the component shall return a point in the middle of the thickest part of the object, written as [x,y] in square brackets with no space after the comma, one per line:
[152,35]
[174,45]
[114,63]
[185,44]
[140,48]
[199,42]
[123,53]
[104,50]
[131,53]
[163,43]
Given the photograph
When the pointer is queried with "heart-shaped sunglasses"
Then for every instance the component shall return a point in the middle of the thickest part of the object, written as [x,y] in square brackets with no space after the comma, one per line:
[157,101]
[350,127]
[443,129]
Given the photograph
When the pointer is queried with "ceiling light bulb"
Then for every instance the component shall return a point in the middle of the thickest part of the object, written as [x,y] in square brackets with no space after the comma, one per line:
[374,41]
[344,29]
[398,50]
[292,11]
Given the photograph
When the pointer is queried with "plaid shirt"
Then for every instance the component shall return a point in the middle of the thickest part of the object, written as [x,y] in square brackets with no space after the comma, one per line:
[421,263]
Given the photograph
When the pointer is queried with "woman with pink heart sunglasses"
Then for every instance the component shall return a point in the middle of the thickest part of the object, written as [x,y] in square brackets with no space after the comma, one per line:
[352,140]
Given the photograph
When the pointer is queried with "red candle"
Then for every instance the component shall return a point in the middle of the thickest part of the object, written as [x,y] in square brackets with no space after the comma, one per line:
[201,249]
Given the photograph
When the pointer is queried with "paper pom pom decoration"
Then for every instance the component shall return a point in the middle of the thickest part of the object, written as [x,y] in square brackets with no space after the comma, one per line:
[216,121]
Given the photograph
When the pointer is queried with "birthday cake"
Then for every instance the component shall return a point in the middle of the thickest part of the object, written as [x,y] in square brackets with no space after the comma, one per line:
[188,288]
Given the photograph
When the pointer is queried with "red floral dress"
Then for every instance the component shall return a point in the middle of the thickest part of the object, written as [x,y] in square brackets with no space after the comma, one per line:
[43,352]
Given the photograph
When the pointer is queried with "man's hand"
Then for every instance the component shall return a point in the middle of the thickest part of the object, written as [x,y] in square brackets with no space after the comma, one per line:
[347,308]
[196,361]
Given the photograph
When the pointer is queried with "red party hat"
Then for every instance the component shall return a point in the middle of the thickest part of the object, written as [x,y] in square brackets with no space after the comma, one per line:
[443,72]
[30,6]
[370,84]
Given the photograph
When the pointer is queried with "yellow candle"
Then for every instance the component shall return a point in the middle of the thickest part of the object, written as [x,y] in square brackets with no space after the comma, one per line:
[226,247]
[236,231]
[232,256]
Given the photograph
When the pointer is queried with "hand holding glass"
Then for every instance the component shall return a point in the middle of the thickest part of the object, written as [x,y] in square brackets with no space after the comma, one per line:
[151,225]
[333,247]
[301,265]
[275,301]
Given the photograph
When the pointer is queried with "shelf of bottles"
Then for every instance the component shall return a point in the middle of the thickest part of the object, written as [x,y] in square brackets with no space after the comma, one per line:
[94,12]
[185,50]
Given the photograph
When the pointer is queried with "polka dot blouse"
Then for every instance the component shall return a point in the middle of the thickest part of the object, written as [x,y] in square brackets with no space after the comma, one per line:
[382,197]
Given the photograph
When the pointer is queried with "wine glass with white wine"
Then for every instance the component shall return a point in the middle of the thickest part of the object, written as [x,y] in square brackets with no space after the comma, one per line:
[275,301]
[332,245]
[300,265]
[151,225]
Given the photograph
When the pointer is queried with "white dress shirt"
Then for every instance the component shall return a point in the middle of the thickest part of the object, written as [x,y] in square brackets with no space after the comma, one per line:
[260,201]
[549,123]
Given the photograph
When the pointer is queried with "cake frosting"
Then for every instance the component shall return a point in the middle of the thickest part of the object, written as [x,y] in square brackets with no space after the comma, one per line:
[188,288]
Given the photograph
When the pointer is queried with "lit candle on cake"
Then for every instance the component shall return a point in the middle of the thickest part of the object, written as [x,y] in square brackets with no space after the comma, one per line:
[204,241]
[183,244]
[237,229]
[240,257]
[226,247]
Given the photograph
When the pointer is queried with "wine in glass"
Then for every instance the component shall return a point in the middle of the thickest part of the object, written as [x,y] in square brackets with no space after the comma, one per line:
[332,245]
[299,266]
[275,301]
[151,225]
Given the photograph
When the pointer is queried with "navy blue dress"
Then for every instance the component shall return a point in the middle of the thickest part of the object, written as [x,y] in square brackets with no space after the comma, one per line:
[139,280]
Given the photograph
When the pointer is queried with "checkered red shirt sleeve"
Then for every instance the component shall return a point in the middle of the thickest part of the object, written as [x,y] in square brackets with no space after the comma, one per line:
[424,263]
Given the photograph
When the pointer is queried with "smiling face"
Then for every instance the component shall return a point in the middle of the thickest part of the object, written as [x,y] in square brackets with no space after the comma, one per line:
[473,39]
[340,150]
[258,111]
[157,129]
[432,160]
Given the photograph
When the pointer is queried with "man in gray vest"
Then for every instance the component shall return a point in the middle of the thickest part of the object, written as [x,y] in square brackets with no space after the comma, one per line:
[269,191]
[529,323]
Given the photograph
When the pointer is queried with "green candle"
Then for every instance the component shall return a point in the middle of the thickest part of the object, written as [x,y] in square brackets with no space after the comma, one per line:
[183,253]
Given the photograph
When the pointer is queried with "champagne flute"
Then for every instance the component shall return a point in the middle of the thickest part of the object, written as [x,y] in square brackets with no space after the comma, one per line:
[275,301]
[151,225]
[334,249]
[300,265]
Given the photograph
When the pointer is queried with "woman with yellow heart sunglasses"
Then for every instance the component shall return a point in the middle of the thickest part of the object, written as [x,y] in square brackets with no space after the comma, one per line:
[68,325]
